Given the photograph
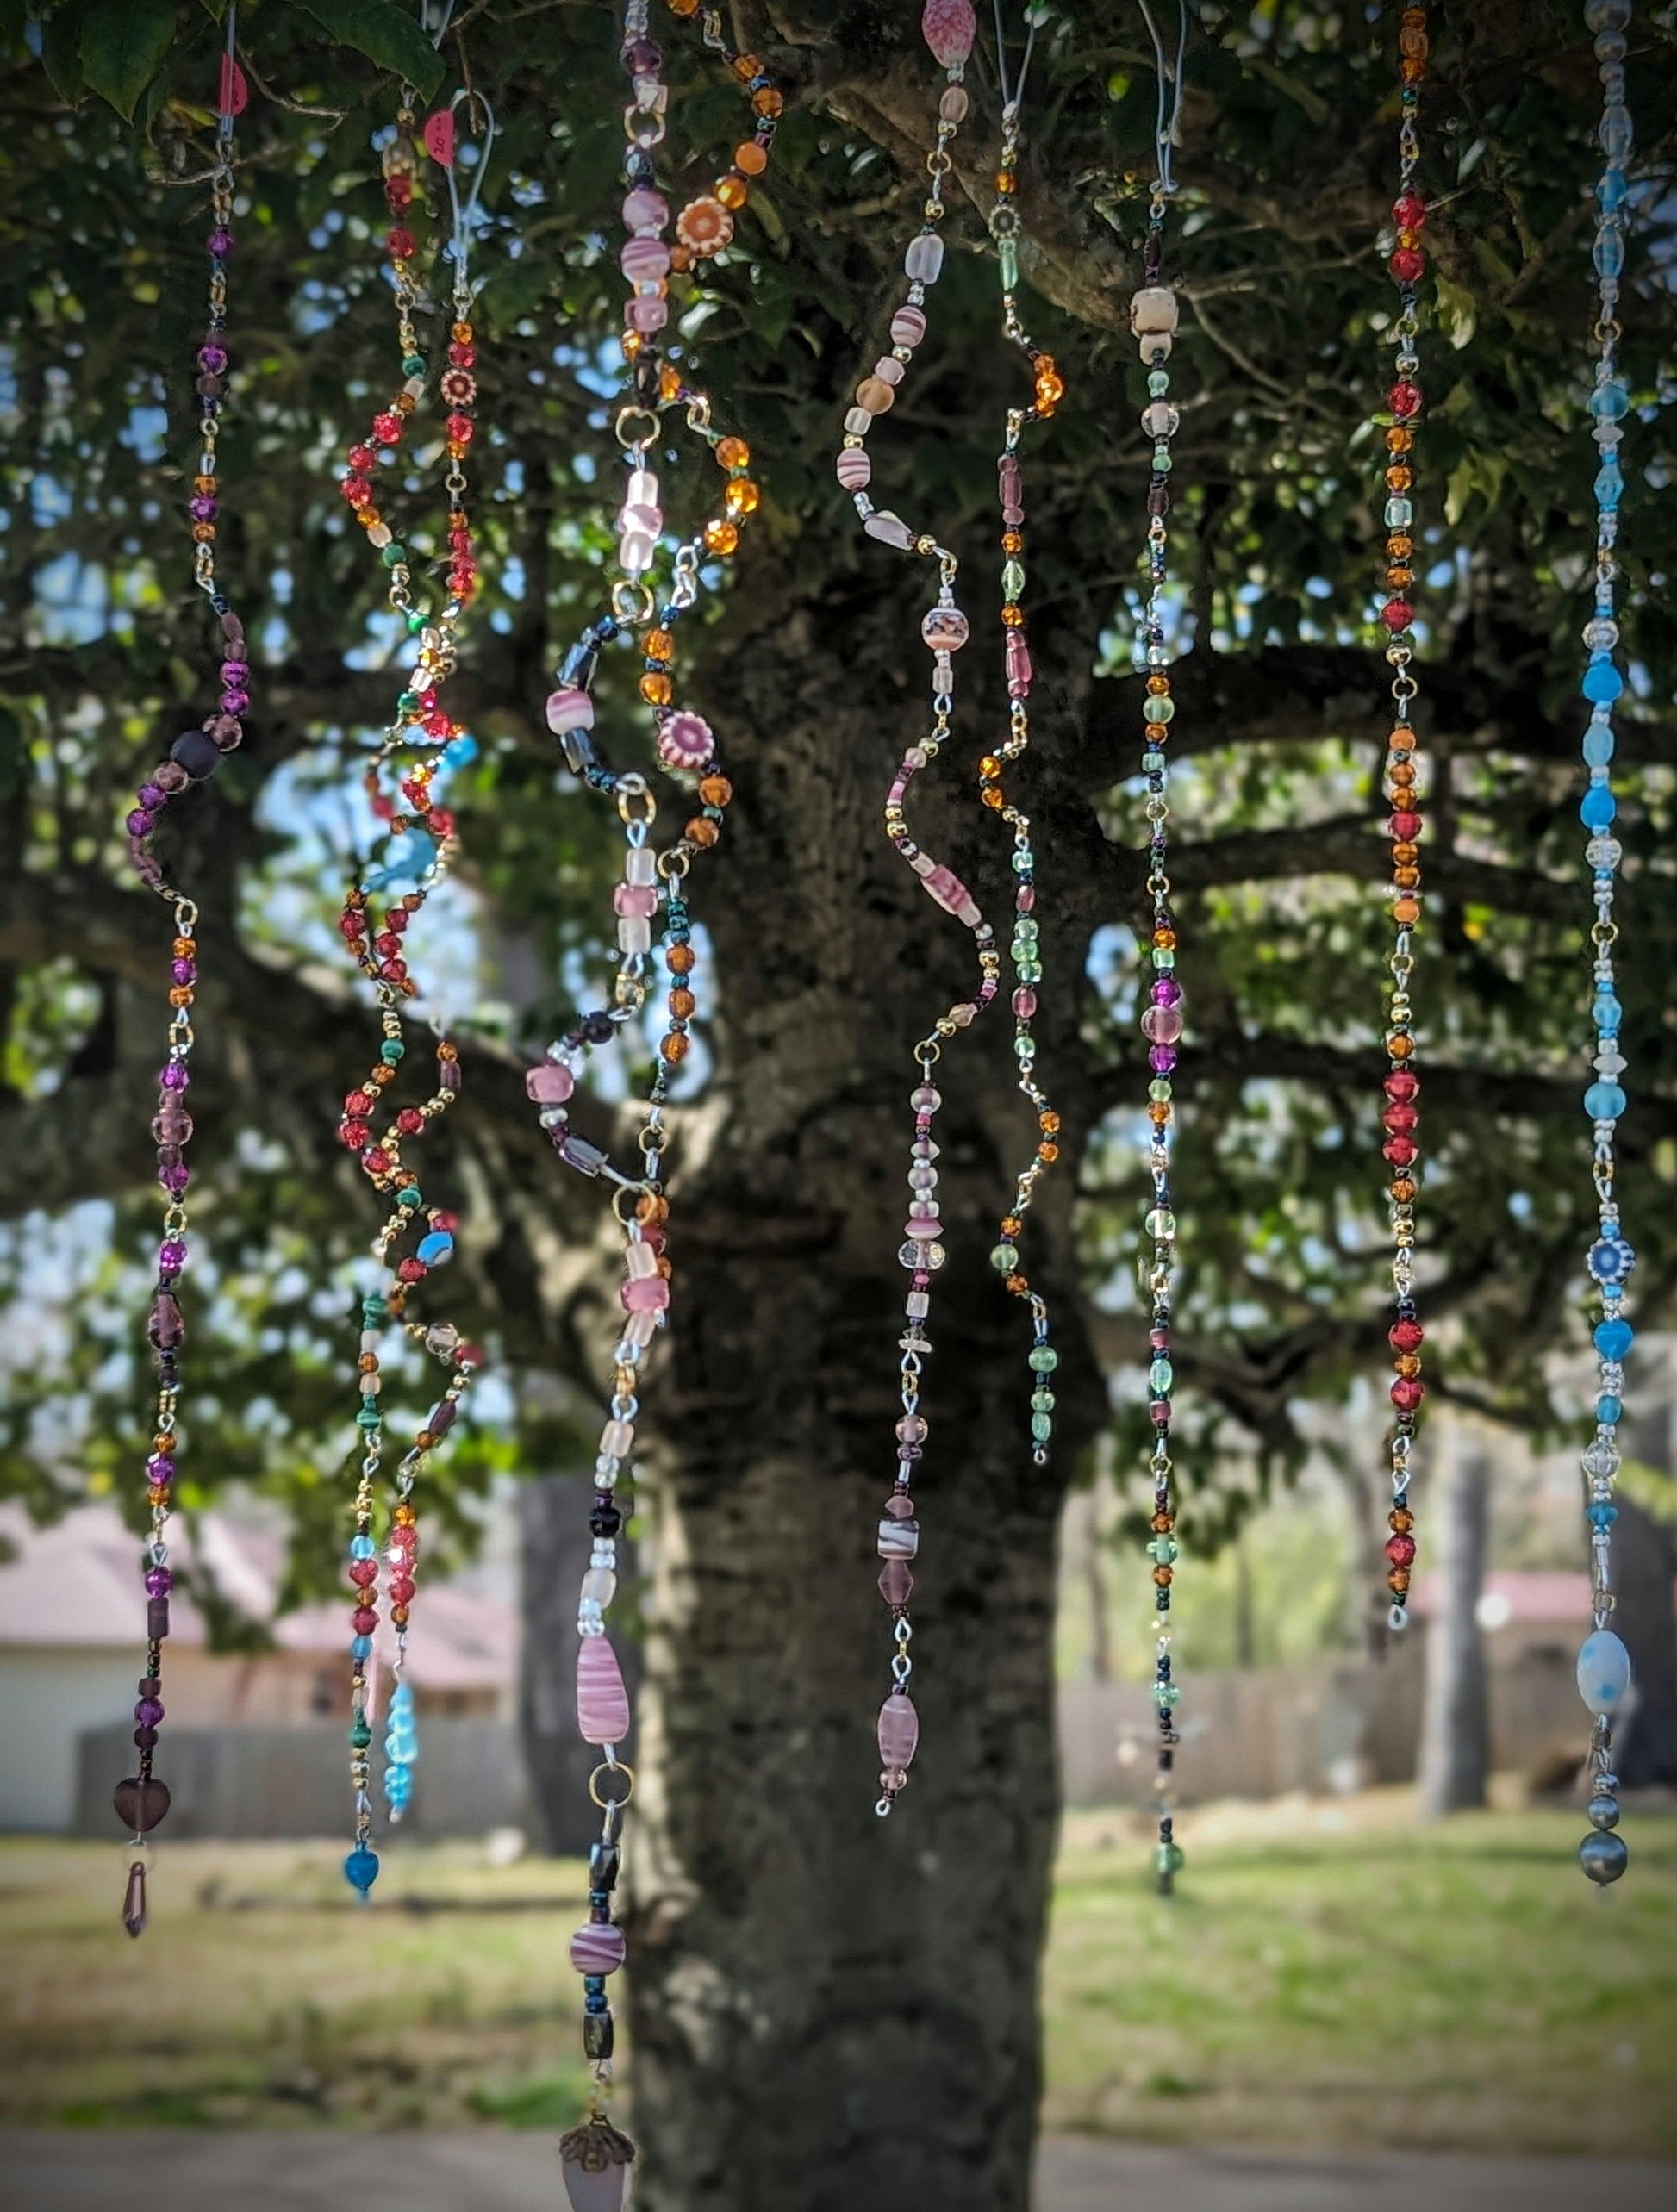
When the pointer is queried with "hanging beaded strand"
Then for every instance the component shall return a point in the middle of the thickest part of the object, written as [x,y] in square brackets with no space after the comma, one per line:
[1025,949]
[421,844]
[1154,315]
[949,28]
[1604,1663]
[1400,1117]
[141,1800]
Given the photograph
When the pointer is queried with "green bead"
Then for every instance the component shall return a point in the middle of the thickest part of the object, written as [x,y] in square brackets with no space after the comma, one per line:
[1029,971]
[414,620]
[1008,256]
[407,702]
[393,554]
[1004,1258]
[1041,1427]
[1043,1401]
[1026,927]
[1160,1222]
[1024,1048]
[1165,1696]
[1158,709]
[369,1417]
[360,1736]
[1013,580]
[409,1198]
[391,1050]
[1168,1858]
[413,365]
[1044,1359]
[1161,461]
[1158,382]
[1160,1376]
[1163,1550]
[1163,956]
[373,1308]
[1159,1089]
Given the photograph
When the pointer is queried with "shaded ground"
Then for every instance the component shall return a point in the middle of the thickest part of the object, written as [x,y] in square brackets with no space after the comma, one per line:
[1329,1977]
[519,2173]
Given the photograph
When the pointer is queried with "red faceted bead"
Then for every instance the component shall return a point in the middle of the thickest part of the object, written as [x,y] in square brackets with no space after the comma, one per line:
[363,1571]
[361,458]
[402,1588]
[410,1121]
[413,1271]
[357,490]
[1397,614]
[354,923]
[1409,213]
[401,244]
[1404,399]
[1407,265]
[377,1161]
[359,1103]
[463,357]
[387,429]
[1401,1120]
[1403,1083]
[1401,1550]
[459,426]
[469,1355]
[1403,828]
[353,1135]
[1408,1393]
[1400,1150]
[448,1223]
[1405,1336]
[363,1620]
[440,822]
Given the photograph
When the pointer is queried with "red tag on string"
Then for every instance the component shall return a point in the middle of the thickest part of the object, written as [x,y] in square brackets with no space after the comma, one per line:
[232,94]
[439,137]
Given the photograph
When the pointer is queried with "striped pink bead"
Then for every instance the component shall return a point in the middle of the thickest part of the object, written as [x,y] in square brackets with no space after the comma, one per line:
[597,1949]
[899,1732]
[949,28]
[907,326]
[602,1703]
[643,260]
[855,470]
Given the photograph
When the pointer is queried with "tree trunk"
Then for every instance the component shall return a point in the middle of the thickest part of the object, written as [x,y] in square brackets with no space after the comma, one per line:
[827,2010]
[1455,1723]
[1645,1564]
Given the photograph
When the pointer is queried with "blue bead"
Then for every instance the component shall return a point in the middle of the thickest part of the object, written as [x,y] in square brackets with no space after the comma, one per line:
[1609,254]
[1604,1671]
[1607,1013]
[433,1250]
[1602,681]
[460,751]
[1598,745]
[361,1868]
[1601,1515]
[1603,1101]
[1610,401]
[1613,1339]
[1597,807]
[363,1548]
[1609,486]
[1608,1410]
[1614,189]
[360,1647]
[1617,136]
[1610,1260]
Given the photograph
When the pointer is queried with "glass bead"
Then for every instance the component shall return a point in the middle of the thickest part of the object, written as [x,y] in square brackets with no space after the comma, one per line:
[1618,134]
[1603,1858]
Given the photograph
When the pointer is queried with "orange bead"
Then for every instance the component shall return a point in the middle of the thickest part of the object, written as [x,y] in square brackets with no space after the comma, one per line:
[185,947]
[742,497]
[721,538]
[1400,439]
[1406,1363]
[1406,911]
[716,790]
[733,453]
[1158,685]
[1400,1047]
[680,959]
[461,334]
[669,382]
[1164,939]
[675,1046]
[650,1208]
[1401,772]
[1050,1120]
[702,832]
[1164,1576]
[656,689]
[1048,1150]
[1011,542]
[683,7]
[180,995]
[1014,617]
[769,102]
[660,645]
[1398,547]
[1011,1224]
[1399,476]
[750,157]
[682,1003]
[732,191]
[746,66]
[989,768]
[203,533]
[1405,878]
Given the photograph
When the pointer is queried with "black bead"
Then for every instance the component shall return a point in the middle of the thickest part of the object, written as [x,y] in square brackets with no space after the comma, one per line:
[599,2036]
[577,670]
[603,1862]
[197,752]
[598,1028]
[605,1521]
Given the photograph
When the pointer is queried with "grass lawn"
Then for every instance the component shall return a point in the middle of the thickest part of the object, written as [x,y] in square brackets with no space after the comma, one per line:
[1329,1977]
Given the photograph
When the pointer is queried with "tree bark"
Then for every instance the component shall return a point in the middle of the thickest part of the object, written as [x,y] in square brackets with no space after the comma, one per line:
[827,2010]
[1455,1723]
[1645,1563]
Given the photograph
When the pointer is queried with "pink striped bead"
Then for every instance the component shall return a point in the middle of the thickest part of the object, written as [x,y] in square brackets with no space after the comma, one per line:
[946,886]
[643,260]
[602,1703]
[597,1946]
[899,1732]
[907,326]
[854,469]
[569,710]
[949,28]
[685,740]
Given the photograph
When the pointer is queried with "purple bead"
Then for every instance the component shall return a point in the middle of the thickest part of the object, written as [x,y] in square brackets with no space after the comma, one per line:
[141,824]
[225,730]
[171,1124]
[184,971]
[153,796]
[166,1329]
[169,777]
[148,1712]
[159,1582]
[171,1256]
[234,701]
[156,1619]
[174,1180]
[174,1077]
[160,1467]
[235,671]
[1161,1059]
[1167,993]
[202,507]
[221,243]
[213,358]
[146,1738]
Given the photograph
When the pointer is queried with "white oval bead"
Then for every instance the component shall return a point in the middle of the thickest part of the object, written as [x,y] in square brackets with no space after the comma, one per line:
[1604,1671]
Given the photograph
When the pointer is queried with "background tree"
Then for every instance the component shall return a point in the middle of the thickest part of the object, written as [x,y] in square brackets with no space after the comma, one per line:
[824,2011]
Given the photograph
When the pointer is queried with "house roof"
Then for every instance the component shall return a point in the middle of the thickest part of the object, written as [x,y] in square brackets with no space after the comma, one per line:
[75,1586]
[1558,1598]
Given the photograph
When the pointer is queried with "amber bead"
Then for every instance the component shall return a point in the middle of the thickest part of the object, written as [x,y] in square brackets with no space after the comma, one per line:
[367,1363]
[989,768]
[1399,579]
[732,453]
[1401,1047]
[675,1046]
[1048,1151]
[399,1616]
[682,1004]
[1403,1190]
[1164,938]
[1406,911]
[746,66]
[1011,542]
[1405,878]
[1399,476]
[751,158]
[683,7]
[1014,617]
[650,1210]
[768,102]
[702,832]
[203,533]
[1158,685]
[660,645]
[1406,1363]
[1051,1121]
[1162,1524]
[1401,1520]
[1402,771]
[742,497]
[716,790]
[1164,1576]
[656,689]
[204,485]
[1011,1224]
[461,332]
[1398,1580]
[679,258]
[721,536]
[993,797]
[1399,546]
[669,382]
[680,959]
[185,947]
[180,995]
[732,191]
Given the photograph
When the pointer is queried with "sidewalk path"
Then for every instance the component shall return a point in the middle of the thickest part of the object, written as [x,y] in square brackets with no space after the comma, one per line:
[204,2171]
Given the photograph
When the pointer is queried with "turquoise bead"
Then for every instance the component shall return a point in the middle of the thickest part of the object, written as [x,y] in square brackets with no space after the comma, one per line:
[1613,1339]
[1041,1427]
[1602,681]
[1603,1101]
[1043,1401]
[433,1250]
[410,1198]
[1044,1359]
[391,1050]
[363,1548]
[1160,1376]
[361,1868]
[1608,1410]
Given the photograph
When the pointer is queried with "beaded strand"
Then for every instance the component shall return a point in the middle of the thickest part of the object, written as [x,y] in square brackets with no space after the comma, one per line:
[420,844]
[949,28]
[1604,1663]
[1399,1116]
[1154,315]
[141,1800]
[1025,949]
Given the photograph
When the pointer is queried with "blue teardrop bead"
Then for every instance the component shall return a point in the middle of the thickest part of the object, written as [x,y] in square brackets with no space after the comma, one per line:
[1613,1339]
[361,1868]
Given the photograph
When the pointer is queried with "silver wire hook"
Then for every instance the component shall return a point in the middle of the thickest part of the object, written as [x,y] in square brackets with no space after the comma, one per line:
[1035,16]
[465,209]
[1167,130]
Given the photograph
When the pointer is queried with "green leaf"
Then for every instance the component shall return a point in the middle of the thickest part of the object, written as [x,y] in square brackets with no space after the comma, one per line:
[61,52]
[124,43]
[385,33]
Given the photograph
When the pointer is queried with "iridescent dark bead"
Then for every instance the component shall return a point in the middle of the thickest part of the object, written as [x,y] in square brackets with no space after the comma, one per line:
[599,2036]
[197,752]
